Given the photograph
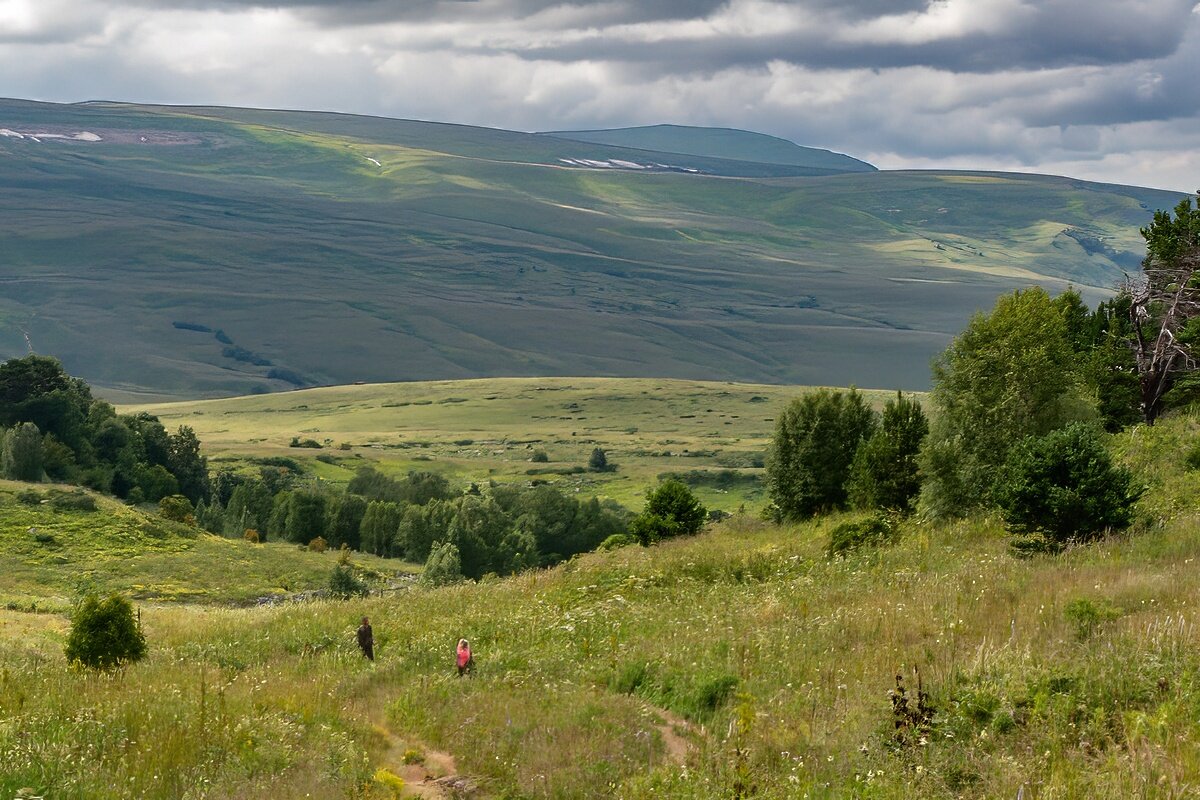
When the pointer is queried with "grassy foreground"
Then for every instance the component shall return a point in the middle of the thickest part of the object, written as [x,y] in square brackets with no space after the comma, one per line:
[1070,676]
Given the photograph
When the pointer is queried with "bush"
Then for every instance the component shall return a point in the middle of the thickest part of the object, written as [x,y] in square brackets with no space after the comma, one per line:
[344,584]
[176,507]
[29,497]
[1088,616]
[671,510]
[251,536]
[443,567]
[72,501]
[868,532]
[598,461]
[104,634]
[618,540]
[539,457]
[318,545]
[1065,487]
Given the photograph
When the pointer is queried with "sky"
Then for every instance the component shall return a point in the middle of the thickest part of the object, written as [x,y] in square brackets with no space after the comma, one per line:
[1104,90]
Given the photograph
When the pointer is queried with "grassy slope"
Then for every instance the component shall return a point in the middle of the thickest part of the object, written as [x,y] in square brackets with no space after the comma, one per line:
[468,254]
[813,645]
[117,548]
[488,429]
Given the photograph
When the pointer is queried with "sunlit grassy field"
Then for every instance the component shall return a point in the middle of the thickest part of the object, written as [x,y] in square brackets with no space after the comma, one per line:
[1067,676]
[50,555]
[480,430]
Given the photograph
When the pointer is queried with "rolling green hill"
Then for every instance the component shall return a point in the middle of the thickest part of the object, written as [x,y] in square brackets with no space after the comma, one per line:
[53,547]
[720,143]
[183,252]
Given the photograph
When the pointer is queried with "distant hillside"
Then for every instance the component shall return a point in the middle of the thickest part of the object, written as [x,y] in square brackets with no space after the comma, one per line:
[164,251]
[720,143]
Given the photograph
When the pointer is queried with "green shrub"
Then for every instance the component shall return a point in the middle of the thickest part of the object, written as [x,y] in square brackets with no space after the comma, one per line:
[850,536]
[598,461]
[318,545]
[539,457]
[176,507]
[1193,457]
[1065,487]
[344,584]
[618,540]
[104,634]
[30,497]
[1087,616]
[671,510]
[72,501]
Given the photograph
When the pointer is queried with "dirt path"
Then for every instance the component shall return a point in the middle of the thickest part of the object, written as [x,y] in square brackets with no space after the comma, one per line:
[673,729]
[434,775]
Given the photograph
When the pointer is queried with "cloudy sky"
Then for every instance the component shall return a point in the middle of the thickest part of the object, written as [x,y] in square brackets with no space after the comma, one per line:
[1099,89]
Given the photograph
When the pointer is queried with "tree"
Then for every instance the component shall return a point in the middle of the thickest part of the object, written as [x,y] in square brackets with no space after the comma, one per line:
[345,521]
[377,532]
[443,567]
[671,510]
[884,472]
[21,459]
[813,446]
[187,465]
[306,517]
[105,634]
[1065,486]
[598,461]
[1165,304]
[1011,374]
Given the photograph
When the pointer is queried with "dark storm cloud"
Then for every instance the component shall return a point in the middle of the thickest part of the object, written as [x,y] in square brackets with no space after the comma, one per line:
[1051,35]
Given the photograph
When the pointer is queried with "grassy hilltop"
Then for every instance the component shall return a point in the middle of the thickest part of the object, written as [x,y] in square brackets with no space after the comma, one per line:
[739,663]
[233,250]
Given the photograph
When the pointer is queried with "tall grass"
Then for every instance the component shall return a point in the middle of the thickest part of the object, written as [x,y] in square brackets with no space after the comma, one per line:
[780,659]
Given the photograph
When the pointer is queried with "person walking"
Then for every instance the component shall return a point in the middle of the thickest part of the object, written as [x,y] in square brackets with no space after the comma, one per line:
[463,657]
[366,639]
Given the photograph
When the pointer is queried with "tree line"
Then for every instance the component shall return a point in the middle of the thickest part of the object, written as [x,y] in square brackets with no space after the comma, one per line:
[1021,400]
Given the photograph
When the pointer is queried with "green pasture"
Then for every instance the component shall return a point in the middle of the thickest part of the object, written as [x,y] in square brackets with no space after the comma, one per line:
[481,430]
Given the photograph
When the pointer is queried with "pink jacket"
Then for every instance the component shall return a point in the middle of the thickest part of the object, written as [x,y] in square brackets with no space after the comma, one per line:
[464,655]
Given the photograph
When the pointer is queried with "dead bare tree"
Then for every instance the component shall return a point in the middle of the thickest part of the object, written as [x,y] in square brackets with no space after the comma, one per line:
[1165,297]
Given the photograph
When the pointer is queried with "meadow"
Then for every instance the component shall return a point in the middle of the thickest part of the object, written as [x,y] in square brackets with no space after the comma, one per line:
[329,249]
[714,435]
[742,662]
[52,551]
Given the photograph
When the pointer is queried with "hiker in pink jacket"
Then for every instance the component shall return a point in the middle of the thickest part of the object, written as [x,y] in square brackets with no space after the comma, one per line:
[463,657]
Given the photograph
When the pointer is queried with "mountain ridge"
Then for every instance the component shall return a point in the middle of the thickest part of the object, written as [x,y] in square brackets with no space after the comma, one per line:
[333,248]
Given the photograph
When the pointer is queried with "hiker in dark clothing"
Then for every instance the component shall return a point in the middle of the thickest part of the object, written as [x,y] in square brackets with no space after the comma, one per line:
[366,639]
